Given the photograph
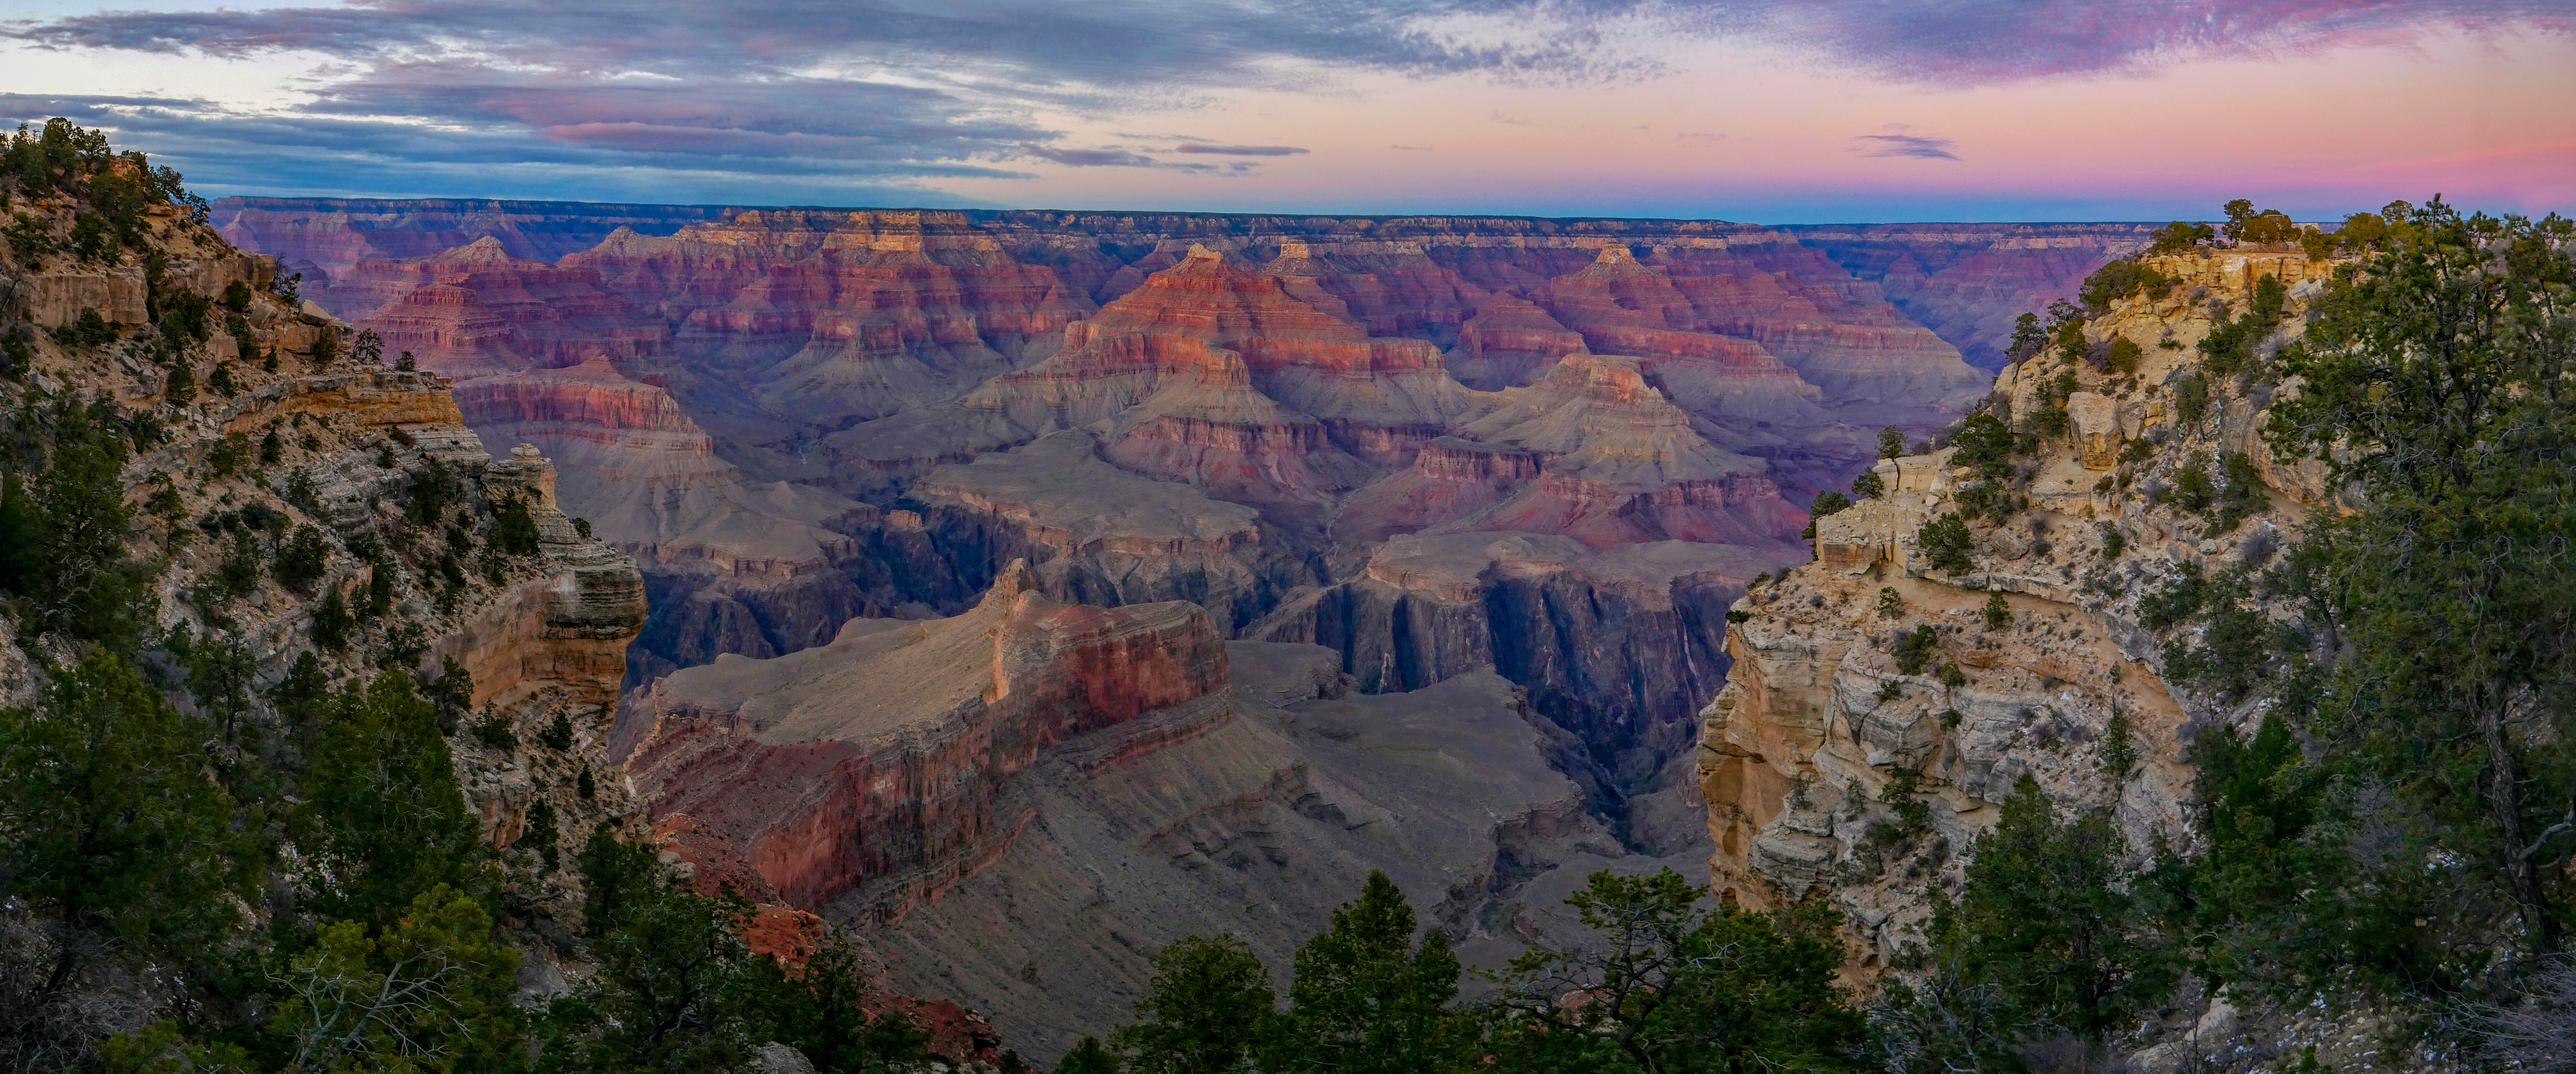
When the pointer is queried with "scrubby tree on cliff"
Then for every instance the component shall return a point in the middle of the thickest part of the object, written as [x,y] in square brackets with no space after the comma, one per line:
[2179,237]
[2436,676]
[2245,223]
[114,828]
[2027,338]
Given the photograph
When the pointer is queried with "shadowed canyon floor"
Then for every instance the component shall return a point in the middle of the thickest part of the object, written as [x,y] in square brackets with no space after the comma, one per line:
[1040,587]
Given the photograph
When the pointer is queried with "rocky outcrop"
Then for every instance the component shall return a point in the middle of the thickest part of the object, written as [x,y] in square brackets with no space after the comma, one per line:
[1387,287]
[1508,342]
[1101,535]
[1256,824]
[563,632]
[844,316]
[1212,375]
[340,448]
[1820,725]
[476,310]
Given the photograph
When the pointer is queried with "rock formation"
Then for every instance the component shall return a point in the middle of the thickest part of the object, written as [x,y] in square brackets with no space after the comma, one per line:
[1821,715]
[836,790]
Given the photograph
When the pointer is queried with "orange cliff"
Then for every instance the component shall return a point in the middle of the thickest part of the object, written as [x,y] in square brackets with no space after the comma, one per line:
[839,791]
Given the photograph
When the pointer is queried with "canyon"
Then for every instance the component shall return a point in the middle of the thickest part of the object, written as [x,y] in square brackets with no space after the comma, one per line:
[1031,589]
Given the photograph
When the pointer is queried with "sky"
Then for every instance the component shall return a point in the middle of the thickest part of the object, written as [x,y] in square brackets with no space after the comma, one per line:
[1770,111]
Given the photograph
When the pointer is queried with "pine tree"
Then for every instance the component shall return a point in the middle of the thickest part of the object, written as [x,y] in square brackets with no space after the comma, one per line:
[113,825]
[1366,997]
[2047,917]
[1205,1014]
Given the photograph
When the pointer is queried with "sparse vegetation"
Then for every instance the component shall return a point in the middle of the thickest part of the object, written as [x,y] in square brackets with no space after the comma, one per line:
[1945,543]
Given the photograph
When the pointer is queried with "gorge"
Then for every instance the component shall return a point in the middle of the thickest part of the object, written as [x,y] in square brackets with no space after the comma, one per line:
[1205,545]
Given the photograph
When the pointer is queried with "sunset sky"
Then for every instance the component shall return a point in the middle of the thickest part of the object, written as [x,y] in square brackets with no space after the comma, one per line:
[1778,111]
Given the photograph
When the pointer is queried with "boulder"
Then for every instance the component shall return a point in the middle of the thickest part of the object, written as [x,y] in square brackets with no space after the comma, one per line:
[2096,419]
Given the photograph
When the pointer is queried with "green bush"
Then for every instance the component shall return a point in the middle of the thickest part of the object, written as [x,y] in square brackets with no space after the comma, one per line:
[2175,602]
[2124,355]
[31,238]
[2119,279]
[1915,650]
[2193,490]
[2191,400]
[302,558]
[1827,502]
[514,529]
[2179,237]
[238,571]
[1946,542]
[331,621]
[225,456]
[1997,612]
[88,330]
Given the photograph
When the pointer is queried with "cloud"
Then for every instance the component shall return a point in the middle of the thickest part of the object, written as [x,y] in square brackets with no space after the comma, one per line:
[1106,157]
[1909,145]
[1239,150]
[225,151]
[1977,42]
[1410,148]
[878,89]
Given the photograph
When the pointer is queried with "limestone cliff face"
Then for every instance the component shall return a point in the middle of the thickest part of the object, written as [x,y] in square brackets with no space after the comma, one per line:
[1817,716]
[1614,647]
